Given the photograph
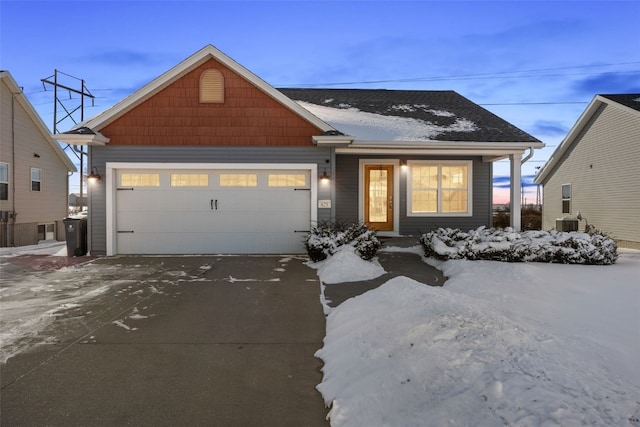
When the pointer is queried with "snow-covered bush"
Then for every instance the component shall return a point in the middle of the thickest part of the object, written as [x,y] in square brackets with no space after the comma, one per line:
[325,239]
[512,246]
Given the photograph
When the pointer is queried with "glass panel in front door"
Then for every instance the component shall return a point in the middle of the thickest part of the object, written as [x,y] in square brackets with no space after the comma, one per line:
[379,197]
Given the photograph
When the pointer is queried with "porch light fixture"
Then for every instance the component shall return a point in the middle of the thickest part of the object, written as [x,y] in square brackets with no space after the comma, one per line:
[403,165]
[94,176]
[325,177]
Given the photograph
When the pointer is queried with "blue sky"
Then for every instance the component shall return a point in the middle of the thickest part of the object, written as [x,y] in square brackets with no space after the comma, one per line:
[536,64]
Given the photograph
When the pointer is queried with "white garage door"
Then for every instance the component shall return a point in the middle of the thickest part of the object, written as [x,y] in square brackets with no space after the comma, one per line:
[211,211]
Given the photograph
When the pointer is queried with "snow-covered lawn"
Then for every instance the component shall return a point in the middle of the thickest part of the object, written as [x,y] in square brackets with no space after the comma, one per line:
[522,344]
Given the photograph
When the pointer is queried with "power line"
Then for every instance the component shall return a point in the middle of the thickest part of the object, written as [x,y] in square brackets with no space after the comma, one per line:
[480,76]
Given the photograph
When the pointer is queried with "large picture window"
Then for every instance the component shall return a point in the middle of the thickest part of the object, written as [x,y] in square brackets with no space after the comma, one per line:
[439,188]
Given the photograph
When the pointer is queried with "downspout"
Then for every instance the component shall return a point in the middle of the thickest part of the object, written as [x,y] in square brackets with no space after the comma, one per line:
[527,157]
[12,240]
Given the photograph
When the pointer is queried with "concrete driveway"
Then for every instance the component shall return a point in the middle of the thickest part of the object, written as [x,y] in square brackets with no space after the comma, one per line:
[203,340]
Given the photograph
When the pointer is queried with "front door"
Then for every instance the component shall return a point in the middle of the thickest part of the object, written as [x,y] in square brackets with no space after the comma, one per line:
[378,197]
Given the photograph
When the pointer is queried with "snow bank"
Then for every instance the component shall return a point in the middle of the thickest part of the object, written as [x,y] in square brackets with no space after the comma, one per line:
[346,266]
[406,354]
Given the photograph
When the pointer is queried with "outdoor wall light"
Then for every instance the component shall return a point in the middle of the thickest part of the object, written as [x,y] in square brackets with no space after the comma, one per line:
[94,176]
[325,177]
[403,165]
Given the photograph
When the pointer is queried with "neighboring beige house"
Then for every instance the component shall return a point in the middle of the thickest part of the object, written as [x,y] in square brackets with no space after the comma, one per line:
[594,174]
[33,172]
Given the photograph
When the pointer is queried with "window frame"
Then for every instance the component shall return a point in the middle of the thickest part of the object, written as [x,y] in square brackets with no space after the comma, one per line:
[564,199]
[439,164]
[4,184]
[38,181]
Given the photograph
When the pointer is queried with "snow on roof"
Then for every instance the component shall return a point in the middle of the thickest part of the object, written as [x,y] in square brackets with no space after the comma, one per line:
[377,127]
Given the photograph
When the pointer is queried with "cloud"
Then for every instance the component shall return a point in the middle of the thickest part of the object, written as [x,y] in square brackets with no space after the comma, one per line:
[122,58]
[549,128]
[609,83]
[504,181]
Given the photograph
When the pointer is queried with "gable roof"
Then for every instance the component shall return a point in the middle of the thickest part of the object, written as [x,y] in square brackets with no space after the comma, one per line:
[416,115]
[8,79]
[629,102]
[206,53]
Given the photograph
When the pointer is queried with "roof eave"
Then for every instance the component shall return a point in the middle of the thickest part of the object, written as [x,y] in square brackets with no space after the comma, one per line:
[37,120]
[489,150]
[95,139]
[568,140]
[332,141]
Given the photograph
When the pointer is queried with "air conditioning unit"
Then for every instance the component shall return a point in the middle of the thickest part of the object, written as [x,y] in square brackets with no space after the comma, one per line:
[567,224]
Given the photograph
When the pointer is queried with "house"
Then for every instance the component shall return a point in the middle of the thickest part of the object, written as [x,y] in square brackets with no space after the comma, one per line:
[77,202]
[594,174]
[209,158]
[33,172]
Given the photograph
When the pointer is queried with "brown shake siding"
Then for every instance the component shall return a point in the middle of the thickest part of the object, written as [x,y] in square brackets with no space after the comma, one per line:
[174,116]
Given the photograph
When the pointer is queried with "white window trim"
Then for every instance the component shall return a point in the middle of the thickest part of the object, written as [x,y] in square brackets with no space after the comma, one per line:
[111,169]
[467,163]
[31,180]
[563,199]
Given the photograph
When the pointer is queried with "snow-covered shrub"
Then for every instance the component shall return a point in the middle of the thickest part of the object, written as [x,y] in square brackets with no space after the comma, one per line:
[511,246]
[325,239]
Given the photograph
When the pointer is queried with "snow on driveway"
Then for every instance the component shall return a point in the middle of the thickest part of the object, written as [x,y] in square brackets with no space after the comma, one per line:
[526,344]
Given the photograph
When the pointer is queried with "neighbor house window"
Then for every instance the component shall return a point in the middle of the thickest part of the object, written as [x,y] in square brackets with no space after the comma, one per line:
[189,180]
[4,181]
[211,87]
[566,198]
[140,180]
[439,188]
[287,180]
[238,180]
[36,179]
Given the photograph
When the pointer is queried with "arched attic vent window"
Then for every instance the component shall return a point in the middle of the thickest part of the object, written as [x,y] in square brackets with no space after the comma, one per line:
[211,86]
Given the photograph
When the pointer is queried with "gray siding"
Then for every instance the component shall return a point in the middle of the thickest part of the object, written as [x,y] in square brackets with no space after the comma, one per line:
[347,169]
[603,169]
[101,155]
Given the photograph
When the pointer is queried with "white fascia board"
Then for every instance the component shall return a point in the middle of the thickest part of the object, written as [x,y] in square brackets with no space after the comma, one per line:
[82,139]
[36,119]
[455,145]
[568,140]
[332,140]
[490,151]
[198,58]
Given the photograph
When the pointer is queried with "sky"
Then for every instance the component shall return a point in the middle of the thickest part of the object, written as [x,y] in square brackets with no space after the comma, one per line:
[536,64]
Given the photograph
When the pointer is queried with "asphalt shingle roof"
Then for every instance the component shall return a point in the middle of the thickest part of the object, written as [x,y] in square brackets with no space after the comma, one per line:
[440,108]
[631,100]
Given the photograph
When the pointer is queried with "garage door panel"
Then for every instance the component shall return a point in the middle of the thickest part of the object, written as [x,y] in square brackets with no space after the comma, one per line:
[212,219]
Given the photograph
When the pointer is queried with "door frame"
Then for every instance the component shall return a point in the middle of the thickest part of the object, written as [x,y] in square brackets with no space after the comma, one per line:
[396,191]
[111,169]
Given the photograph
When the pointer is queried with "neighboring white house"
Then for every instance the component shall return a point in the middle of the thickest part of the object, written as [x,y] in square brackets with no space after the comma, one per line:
[594,174]
[33,172]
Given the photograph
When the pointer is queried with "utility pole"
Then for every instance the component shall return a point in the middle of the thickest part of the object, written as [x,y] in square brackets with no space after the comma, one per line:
[69,113]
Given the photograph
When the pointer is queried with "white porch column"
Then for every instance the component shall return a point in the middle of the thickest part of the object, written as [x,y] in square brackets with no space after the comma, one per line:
[515,189]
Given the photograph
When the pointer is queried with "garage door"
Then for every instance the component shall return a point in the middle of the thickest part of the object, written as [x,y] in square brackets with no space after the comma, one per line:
[211,211]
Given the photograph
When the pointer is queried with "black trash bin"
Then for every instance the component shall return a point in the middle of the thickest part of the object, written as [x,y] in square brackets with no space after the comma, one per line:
[76,236]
